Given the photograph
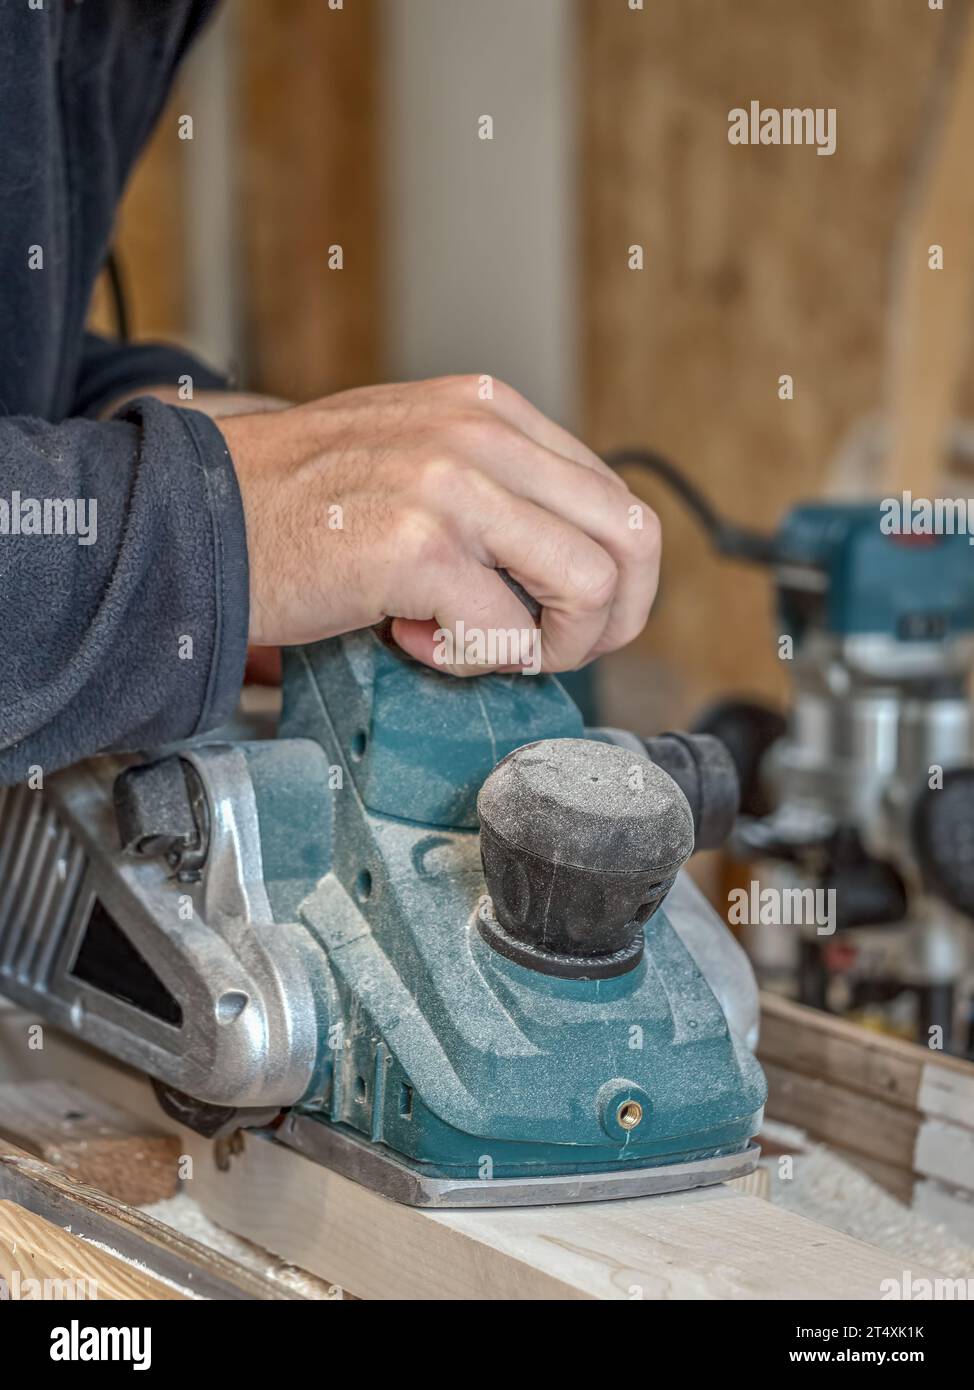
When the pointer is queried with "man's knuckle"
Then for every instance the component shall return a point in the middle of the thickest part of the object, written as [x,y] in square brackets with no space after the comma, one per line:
[421,537]
[480,430]
[513,399]
[466,385]
[652,528]
[641,532]
[439,478]
[594,584]
[434,471]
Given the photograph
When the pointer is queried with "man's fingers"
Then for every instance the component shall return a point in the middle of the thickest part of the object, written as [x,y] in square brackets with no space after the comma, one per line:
[571,576]
[427,488]
[608,514]
[480,626]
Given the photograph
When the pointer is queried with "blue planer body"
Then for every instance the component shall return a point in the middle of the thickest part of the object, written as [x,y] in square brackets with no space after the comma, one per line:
[309,943]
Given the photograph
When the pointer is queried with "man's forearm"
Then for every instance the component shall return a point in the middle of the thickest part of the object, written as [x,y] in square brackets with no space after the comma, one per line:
[123,567]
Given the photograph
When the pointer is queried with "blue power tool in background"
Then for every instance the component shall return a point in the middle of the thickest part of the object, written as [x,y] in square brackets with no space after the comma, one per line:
[864,788]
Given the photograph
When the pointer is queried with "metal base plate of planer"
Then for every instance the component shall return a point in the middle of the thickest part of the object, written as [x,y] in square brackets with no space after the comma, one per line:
[381,1171]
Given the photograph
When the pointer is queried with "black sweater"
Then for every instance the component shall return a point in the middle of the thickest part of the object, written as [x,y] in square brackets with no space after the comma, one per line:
[123,561]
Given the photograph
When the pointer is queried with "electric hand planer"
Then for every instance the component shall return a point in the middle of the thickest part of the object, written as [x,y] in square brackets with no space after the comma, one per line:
[433,935]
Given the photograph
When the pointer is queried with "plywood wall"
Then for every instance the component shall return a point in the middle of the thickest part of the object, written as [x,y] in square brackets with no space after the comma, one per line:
[150,242]
[758,262]
[302,132]
[307,76]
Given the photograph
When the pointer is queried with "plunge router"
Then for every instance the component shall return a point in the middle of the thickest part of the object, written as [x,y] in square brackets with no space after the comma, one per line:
[432,934]
[865,788]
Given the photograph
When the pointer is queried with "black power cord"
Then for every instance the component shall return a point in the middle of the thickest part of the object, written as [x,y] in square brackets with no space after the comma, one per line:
[116,286]
[737,542]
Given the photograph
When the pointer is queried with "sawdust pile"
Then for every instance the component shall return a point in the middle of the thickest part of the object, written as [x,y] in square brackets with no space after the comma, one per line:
[183,1214]
[829,1190]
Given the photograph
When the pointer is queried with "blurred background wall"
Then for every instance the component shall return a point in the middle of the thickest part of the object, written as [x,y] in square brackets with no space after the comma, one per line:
[358,127]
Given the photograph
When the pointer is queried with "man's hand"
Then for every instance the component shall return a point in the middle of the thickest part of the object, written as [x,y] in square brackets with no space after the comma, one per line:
[402,501]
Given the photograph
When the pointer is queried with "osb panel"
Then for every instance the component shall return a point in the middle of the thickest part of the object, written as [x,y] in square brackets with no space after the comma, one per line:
[304,137]
[309,182]
[149,241]
[759,261]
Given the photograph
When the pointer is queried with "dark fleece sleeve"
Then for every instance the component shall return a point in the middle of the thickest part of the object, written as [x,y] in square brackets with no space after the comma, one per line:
[135,632]
[110,370]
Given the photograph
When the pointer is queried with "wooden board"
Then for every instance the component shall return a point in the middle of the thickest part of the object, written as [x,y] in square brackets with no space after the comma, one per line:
[903,1113]
[834,1113]
[39,1260]
[714,1243]
[879,1066]
[86,1212]
[92,1139]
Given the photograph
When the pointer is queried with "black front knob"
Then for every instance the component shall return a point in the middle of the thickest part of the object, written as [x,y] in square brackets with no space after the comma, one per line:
[580,843]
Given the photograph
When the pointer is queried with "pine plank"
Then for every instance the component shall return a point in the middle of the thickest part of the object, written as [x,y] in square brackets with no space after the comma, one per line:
[40,1261]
